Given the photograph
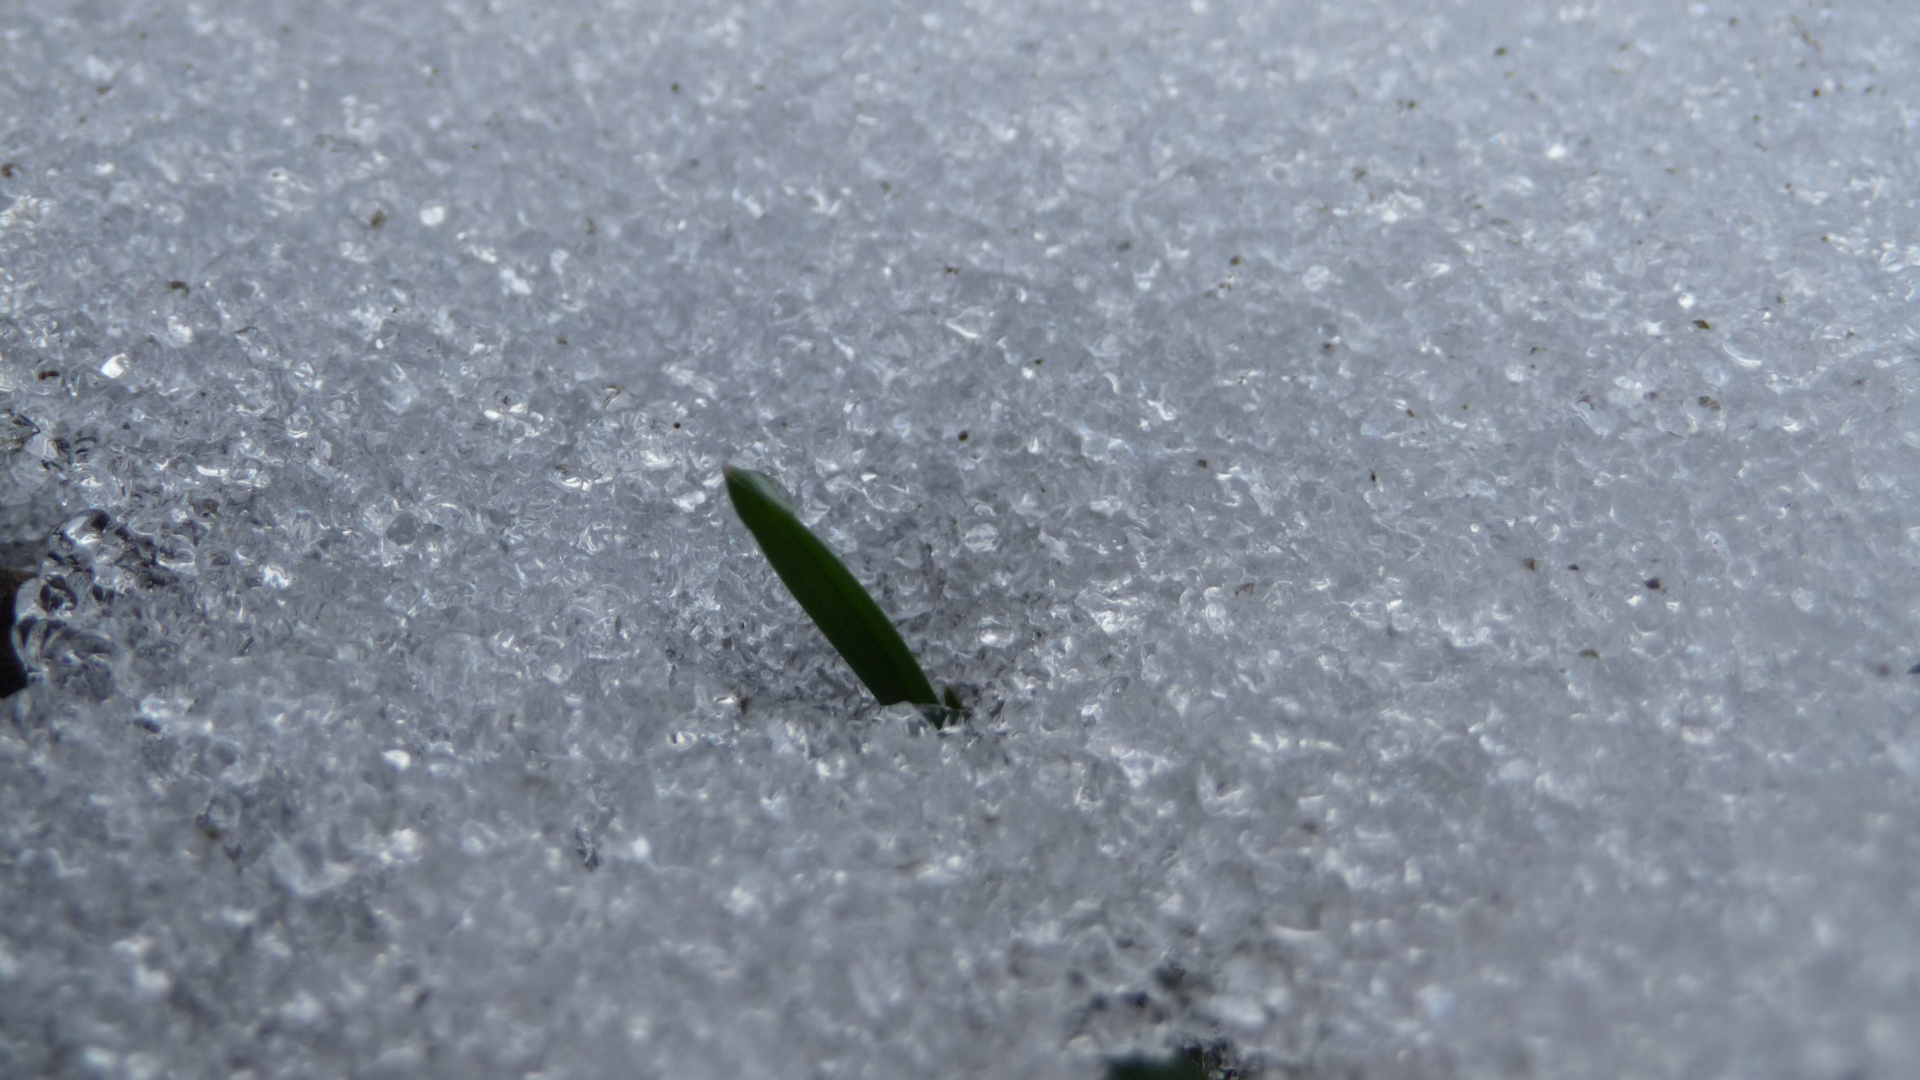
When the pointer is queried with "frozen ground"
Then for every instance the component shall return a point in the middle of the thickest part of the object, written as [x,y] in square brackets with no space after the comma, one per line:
[1415,491]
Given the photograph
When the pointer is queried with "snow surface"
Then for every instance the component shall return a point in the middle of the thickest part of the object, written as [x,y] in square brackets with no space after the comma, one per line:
[1413,493]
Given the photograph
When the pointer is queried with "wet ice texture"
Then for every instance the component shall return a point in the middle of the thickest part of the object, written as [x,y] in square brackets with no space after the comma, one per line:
[1416,496]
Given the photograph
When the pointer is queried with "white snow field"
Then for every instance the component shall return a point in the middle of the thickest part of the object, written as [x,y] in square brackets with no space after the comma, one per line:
[1418,496]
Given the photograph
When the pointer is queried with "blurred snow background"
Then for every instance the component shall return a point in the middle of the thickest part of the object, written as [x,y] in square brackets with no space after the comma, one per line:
[1413,490]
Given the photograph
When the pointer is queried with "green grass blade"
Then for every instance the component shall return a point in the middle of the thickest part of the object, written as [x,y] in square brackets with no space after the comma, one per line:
[828,593]
[1185,1066]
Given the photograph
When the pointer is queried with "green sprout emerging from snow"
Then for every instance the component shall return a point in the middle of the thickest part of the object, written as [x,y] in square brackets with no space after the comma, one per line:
[1182,1066]
[828,593]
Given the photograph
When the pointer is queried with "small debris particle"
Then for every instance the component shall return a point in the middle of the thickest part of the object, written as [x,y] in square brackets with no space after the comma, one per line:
[378,219]
[7,168]
[1590,654]
[1575,567]
[1530,563]
[963,436]
[1914,670]
[1200,463]
[1235,261]
[1653,583]
[1702,324]
[178,286]
[1709,403]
